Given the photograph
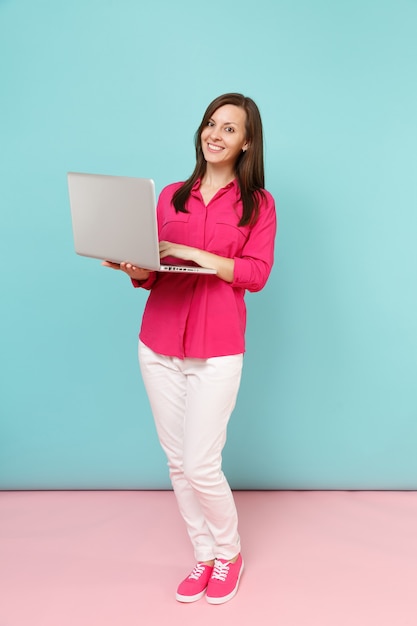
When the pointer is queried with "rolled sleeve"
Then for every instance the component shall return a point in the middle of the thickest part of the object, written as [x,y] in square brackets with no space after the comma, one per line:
[253,267]
[145,284]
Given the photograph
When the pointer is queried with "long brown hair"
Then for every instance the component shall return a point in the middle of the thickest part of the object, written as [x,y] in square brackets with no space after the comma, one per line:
[249,167]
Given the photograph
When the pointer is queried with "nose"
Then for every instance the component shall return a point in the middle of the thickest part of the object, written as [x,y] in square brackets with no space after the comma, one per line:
[214,133]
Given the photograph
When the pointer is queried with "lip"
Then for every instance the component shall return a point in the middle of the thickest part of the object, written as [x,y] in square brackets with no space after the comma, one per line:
[214,148]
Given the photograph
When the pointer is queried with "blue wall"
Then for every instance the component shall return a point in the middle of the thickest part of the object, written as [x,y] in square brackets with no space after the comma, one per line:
[329,389]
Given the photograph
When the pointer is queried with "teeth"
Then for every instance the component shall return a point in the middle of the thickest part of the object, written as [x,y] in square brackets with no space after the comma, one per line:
[212,147]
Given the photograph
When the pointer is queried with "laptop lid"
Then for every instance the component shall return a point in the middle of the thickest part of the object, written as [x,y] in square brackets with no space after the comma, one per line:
[114,219]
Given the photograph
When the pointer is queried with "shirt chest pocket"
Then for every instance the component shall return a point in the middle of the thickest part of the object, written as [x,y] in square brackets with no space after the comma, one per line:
[176,229]
[228,240]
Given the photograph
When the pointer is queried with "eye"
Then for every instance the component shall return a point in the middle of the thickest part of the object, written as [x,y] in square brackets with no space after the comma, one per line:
[229,129]
[210,123]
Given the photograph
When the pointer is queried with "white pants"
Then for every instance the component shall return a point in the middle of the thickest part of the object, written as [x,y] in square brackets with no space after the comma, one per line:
[191,401]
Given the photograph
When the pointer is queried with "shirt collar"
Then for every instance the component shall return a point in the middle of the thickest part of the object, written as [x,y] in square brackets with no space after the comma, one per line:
[233,184]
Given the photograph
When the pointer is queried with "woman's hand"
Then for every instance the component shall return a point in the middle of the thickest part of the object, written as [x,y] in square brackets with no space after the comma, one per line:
[177,250]
[223,266]
[137,273]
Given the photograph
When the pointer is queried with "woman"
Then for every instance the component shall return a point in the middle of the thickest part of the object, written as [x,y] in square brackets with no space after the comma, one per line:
[191,342]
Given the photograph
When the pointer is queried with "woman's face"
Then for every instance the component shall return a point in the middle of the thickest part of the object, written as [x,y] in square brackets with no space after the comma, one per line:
[224,137]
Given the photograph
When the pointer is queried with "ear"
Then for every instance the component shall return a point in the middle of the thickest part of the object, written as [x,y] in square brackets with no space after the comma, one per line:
[245,146]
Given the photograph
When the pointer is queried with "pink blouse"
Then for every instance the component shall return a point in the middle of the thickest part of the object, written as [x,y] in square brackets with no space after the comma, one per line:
[201,315]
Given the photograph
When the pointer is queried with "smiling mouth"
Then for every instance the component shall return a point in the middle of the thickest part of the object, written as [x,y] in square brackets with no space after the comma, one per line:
[214,148]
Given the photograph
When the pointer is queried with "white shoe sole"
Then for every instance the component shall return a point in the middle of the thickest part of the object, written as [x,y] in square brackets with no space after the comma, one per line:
[197,596]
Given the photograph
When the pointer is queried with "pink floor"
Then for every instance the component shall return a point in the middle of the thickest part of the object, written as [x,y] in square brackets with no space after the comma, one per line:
[115,558]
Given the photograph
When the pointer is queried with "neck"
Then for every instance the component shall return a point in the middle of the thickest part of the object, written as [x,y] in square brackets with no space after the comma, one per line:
[217,178]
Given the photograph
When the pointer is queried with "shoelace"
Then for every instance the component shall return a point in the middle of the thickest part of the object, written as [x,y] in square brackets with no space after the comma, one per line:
[220,570]
[197,571]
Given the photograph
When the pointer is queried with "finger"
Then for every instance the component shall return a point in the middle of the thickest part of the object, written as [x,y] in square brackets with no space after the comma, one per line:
[114,266]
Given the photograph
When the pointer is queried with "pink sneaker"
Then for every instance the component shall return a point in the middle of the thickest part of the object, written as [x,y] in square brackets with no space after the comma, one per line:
[224,581]
[194,586]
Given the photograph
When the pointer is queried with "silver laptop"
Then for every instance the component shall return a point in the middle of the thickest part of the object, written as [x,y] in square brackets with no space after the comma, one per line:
[114,219]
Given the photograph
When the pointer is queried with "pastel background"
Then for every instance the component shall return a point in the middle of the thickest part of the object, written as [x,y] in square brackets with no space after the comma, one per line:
[328,399]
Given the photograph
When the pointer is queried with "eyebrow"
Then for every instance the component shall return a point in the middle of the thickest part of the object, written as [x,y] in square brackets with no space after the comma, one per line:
[226,123]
